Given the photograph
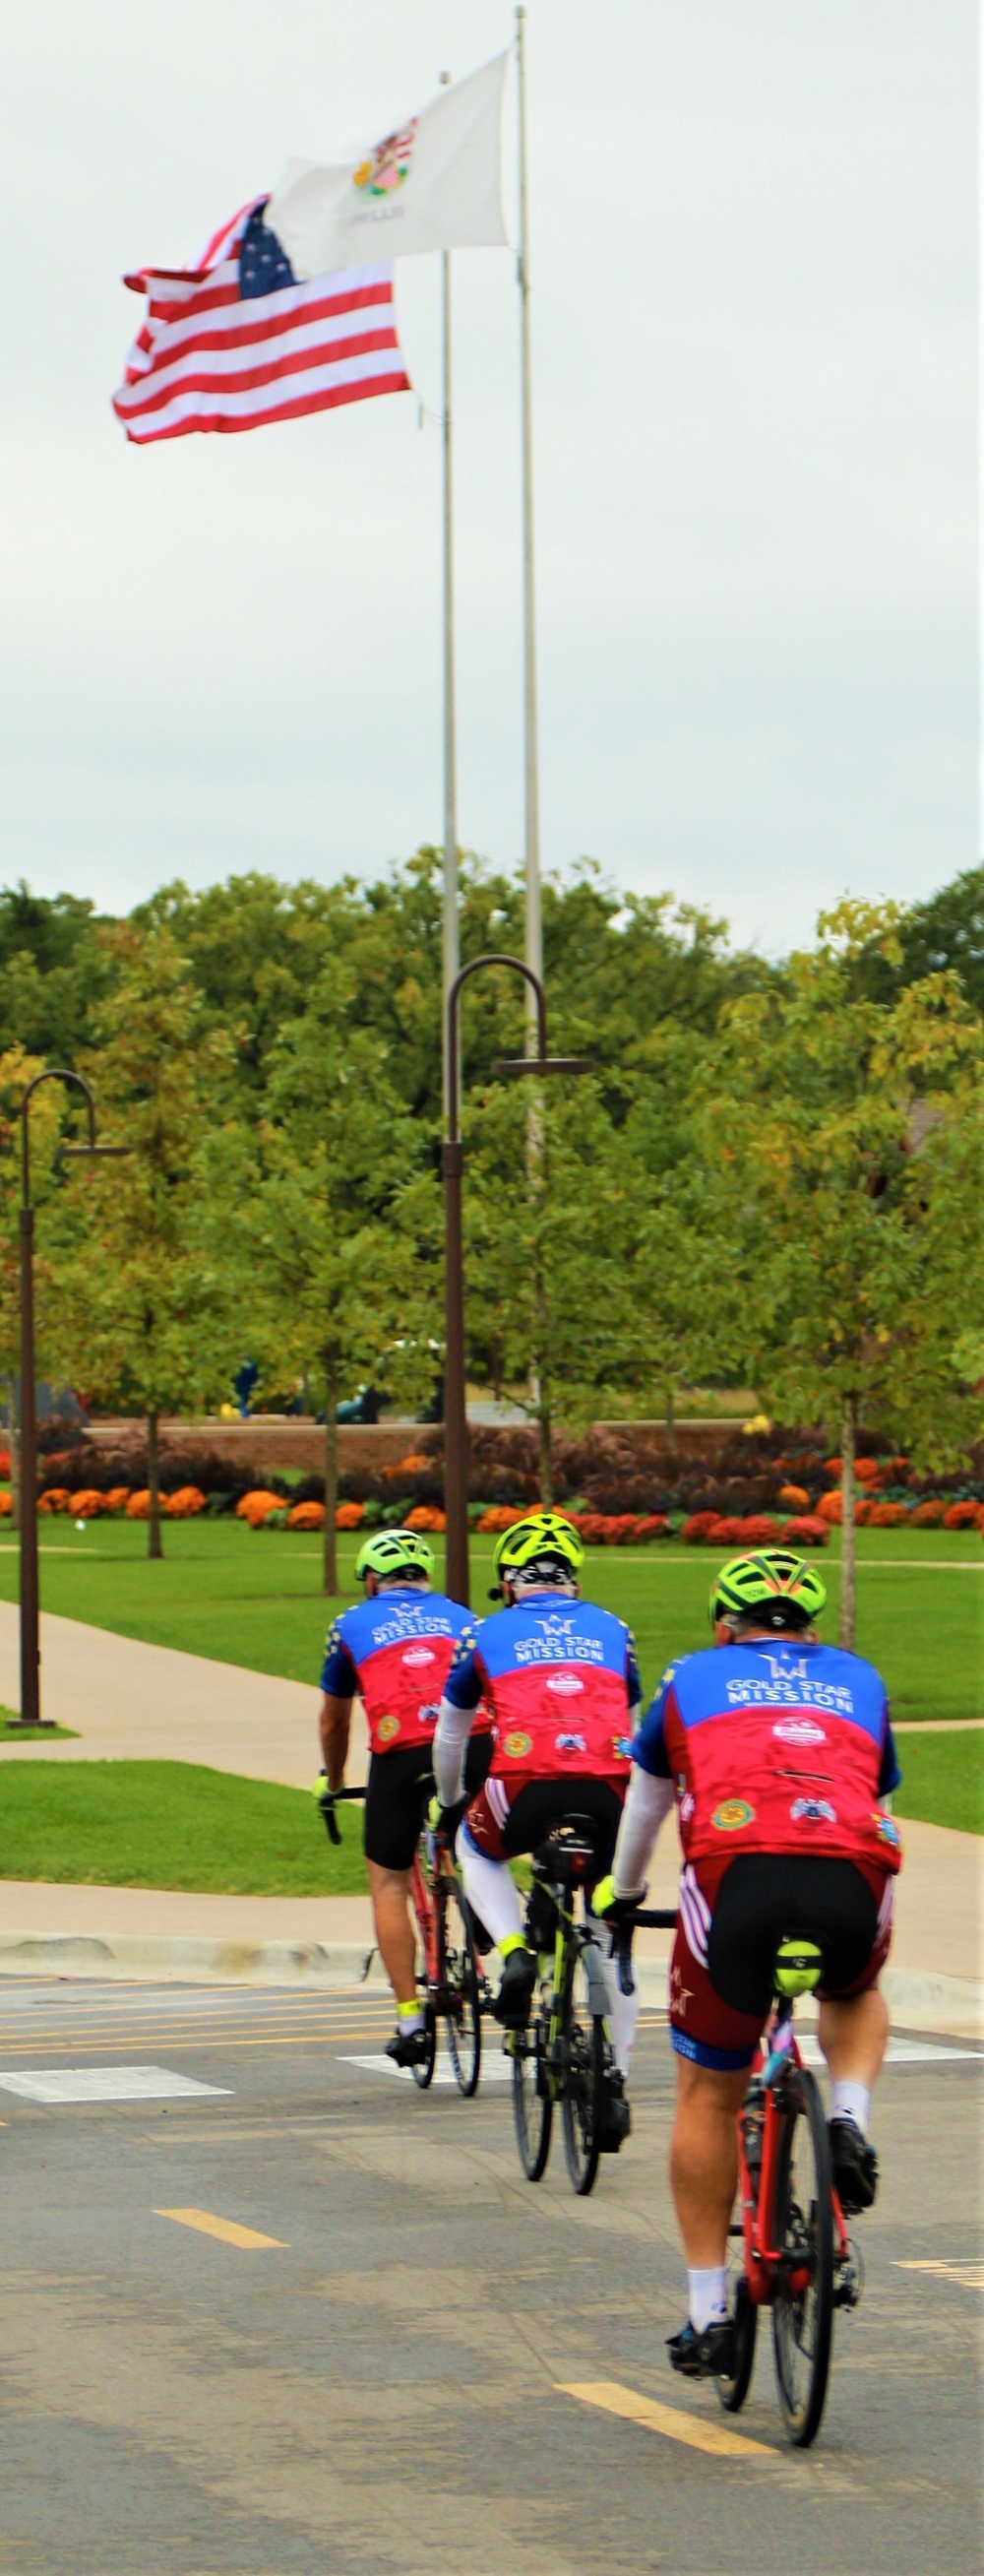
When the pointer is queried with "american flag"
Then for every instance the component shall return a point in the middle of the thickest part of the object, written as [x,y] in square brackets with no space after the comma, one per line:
[236,342]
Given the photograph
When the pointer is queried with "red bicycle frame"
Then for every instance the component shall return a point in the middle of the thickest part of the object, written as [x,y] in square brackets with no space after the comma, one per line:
[763,2260]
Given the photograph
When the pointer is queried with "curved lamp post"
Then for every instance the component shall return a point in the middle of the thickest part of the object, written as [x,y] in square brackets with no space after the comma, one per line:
[455,1422]
[30,1659]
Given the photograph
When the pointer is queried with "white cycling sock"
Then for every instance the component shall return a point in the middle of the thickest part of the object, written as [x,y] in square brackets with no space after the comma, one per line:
[623,2010]
[850,2101]
[490,1890]
[708,2294]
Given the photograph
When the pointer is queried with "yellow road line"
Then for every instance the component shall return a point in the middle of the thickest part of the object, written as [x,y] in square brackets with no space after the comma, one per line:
[227,2229]
[968,2275]
[67,2047]
[691,2429]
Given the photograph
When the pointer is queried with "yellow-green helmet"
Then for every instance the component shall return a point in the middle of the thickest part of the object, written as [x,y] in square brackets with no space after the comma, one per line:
[399,1551]
[538,1534]
[767,1577]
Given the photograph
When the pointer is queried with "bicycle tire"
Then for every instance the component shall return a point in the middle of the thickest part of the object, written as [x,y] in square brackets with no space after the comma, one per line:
[583,2040]
[459,1984]
[423,2069]
[733,2392]
[803,2321]
[532,2110]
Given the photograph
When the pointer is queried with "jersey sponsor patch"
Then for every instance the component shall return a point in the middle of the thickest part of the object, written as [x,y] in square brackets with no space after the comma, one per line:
[732,1814]
[887,1829]
[516,1746]
[387,1728]
[799,1730]
[571,1743]
[566,1684]
[418,1655]
[813,1811]
[687,1804]
[623,1746]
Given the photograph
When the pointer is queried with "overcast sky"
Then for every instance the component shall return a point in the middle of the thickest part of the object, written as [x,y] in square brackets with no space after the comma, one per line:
[754,323]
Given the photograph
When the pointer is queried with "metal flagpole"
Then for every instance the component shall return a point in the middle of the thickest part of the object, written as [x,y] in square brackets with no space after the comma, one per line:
[451,955]
[534,931]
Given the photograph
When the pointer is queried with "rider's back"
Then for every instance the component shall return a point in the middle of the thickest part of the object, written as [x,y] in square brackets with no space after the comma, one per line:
[557,1675]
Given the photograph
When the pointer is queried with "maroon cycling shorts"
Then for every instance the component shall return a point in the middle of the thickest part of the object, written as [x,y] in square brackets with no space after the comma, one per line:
[732,1915]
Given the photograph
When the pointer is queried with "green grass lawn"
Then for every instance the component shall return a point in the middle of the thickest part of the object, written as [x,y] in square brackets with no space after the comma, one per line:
[254,1598]
[171,1824]
[178,1825]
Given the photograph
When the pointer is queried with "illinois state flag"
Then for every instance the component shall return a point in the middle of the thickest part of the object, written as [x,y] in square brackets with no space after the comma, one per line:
[240,340]
[433,184]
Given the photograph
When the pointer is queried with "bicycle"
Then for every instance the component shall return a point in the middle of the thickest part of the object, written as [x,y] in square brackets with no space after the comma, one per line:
[797,2256]
[564,2052]
[452,1985]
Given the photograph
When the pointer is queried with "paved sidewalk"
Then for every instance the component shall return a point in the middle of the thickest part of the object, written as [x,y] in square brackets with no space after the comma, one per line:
[125,1697]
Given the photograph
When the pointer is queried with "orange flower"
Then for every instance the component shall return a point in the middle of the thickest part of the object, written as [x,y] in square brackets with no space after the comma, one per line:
[255,1506]
[500,1516]
[184,1505]
[347,1515]
[138,1507]
[56,1498]
[85,1505]
[415,1465]
[794,1498]
[306,1516]
[117,1498]
[6,1505]
[830,1508]
[425,1517]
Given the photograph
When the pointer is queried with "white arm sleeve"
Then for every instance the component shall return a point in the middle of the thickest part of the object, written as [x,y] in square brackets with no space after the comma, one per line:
[647,1802]
[454,1726]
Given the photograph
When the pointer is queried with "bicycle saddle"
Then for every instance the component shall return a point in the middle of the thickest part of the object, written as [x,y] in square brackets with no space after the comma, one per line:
[568,1854]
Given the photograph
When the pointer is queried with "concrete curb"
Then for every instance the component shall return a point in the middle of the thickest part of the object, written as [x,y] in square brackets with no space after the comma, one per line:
[918,1999]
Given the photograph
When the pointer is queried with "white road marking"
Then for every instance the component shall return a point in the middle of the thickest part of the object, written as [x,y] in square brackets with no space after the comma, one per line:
[103,2084]
[900,2052]
[495,2070]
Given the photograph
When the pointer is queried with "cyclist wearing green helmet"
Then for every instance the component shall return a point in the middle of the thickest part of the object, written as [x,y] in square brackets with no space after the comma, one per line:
[779,1753]
[561,1680]
[394,1649]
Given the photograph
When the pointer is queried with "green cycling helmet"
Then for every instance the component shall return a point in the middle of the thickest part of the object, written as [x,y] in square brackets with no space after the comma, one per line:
[539,1534]
[767,1574]
[400,1551]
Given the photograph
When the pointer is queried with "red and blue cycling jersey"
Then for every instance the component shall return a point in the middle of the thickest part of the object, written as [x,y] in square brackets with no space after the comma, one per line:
[775,1745]
[396,1651]
[560,1678]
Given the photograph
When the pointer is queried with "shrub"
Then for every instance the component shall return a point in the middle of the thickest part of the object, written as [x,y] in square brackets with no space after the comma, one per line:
[85,1506]
[866,1470]
[928,1515]
[962,1516]
[416,1465]
[347,1515]
[652,1525]
[887,1516]
[498,1517]
[830,1508]
[185,1504]
[138,1507]
[307,1516]
[758,1530]
[863,1511]
[6,1504]
[696,1528]
[794,1498]
[56,1498]
[426,1517]
[4,1462]
[808,1530]
[254,1506]
[117,1498]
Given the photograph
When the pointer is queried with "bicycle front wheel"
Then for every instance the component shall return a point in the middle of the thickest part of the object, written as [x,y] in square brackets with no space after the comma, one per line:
[584,2076]
[532,2104]
[803,2307]
[459,1981]
[733,2392]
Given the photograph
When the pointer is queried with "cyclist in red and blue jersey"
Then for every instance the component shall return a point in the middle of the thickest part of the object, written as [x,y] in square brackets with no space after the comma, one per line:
[561,1680]
[779,1753]
[395,1649]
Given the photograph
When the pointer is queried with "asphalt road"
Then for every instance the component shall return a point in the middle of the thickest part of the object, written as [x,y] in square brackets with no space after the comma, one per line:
[380,2382]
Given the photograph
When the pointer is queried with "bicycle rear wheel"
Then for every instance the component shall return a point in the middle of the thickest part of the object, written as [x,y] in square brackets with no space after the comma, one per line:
[583,2036]
[532,2108]
[459,1982]
[733,2392]
[803,2307]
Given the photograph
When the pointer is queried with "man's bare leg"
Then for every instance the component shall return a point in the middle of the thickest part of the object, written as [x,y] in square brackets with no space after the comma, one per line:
[395,1932]
[853,2036]
[704,2158]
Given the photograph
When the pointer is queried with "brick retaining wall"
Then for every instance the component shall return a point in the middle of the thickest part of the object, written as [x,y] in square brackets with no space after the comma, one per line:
[266,1443]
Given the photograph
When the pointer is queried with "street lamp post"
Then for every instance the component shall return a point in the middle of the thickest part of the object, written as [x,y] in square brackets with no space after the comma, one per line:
[455,1421]
[30,1658]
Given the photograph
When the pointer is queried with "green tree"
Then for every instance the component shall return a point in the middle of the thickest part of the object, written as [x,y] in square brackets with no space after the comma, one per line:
[342,1223]
[852,1134]
[53,966]
[149,1293]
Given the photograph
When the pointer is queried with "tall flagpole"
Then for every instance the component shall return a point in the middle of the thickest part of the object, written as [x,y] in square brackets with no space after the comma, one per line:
[451,957]
[534,931]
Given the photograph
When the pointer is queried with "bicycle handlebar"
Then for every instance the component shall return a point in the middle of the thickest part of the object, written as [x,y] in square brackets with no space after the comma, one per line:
[328,1806]
[647,1918]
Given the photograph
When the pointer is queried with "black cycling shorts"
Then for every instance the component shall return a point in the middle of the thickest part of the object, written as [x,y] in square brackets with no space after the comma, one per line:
[398,1794]
[542,1805]
[764,1895]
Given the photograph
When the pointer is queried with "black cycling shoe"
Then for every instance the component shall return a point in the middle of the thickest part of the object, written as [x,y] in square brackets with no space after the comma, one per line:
[855,2167]
[616,2116]
[407,2047]
[512,2003]
[711,2354]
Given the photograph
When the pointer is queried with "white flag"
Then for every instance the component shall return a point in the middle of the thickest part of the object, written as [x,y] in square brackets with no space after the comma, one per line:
[431,185]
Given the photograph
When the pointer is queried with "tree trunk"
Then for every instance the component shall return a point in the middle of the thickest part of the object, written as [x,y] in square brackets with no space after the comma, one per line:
[546,1460]
[154,1543]
[849,1431]
[329,1581]
[14,1454]
[671,1438]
